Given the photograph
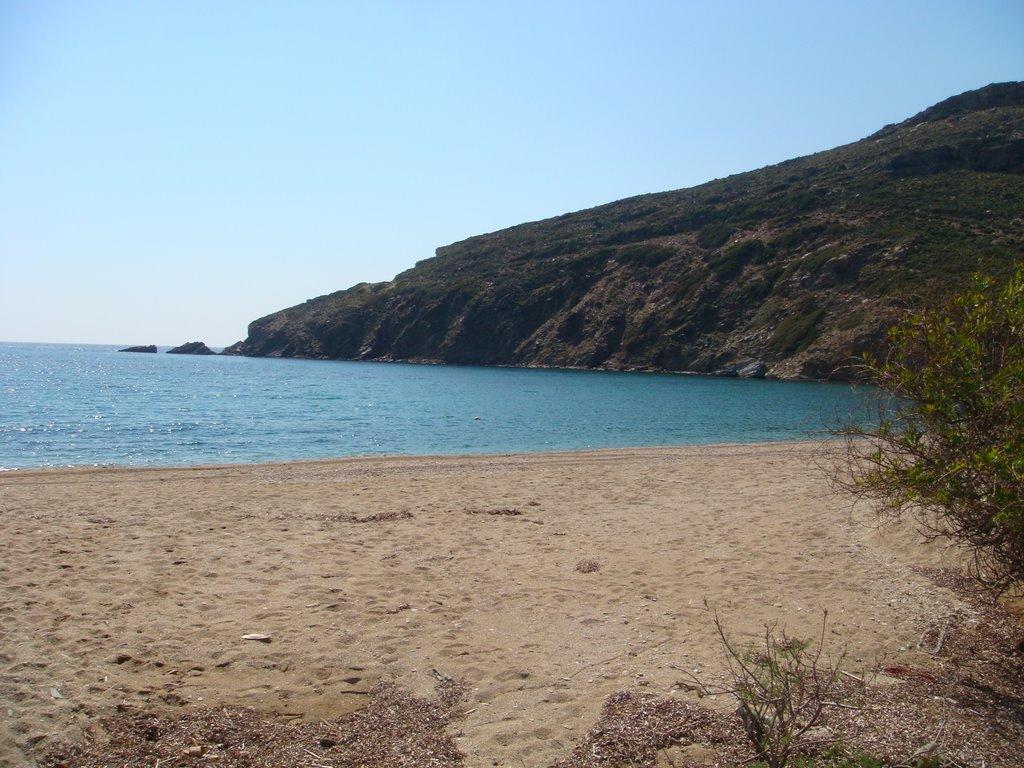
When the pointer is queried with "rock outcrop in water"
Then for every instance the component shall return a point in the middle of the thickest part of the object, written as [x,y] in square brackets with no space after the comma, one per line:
[191,348]
[799,265]
[150,348]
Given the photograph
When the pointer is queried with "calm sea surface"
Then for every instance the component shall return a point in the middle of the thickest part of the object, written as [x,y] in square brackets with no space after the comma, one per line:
[83,404]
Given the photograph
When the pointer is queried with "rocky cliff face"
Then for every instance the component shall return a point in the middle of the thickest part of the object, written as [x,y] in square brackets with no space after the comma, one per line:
[800,265]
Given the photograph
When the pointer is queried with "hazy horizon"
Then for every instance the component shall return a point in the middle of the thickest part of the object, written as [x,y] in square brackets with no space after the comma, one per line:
[170,172]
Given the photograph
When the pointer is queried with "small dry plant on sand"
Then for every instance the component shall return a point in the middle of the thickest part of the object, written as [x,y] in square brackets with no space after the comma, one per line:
[783,688]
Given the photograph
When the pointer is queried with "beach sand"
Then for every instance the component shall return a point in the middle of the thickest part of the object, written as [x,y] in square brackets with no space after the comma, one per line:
[136,586]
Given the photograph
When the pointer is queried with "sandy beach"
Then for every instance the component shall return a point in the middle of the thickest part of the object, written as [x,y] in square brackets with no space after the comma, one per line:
[137,586]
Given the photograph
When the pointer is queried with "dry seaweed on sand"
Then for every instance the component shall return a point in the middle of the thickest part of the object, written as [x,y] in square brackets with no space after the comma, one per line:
[587,566]
[377,517]
[963,702]
[498,512]
[394,730]
[633,727]
[381,517]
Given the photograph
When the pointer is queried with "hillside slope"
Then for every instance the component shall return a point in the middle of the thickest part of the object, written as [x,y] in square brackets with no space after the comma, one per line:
[799,265]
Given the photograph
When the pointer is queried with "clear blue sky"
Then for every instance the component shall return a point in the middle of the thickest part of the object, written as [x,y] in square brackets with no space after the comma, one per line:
[172,170]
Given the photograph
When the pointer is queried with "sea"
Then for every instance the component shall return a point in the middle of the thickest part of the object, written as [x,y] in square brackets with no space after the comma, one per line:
[88,405]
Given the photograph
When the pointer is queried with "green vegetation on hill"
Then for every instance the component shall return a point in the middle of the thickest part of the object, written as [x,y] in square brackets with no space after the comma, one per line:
[800,265]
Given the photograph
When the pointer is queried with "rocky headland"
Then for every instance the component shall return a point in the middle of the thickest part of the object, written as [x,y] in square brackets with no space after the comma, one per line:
[790,271]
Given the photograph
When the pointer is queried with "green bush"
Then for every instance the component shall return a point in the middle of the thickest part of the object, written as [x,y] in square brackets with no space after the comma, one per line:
[797,331]
[714,235]
[730,261]
[948,444]
[646,254]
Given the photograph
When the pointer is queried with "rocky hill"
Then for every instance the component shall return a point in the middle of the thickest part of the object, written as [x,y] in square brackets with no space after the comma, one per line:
[800,265]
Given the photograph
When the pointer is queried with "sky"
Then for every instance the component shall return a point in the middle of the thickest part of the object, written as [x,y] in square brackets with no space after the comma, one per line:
[170,171]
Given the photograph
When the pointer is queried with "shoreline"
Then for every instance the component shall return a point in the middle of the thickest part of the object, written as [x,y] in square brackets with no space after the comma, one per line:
[581,452]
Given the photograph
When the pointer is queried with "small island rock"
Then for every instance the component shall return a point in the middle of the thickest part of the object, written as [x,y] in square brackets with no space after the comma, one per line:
[192,348]
[146,348]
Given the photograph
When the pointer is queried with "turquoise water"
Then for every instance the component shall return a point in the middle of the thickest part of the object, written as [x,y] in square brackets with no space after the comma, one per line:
[82,405]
